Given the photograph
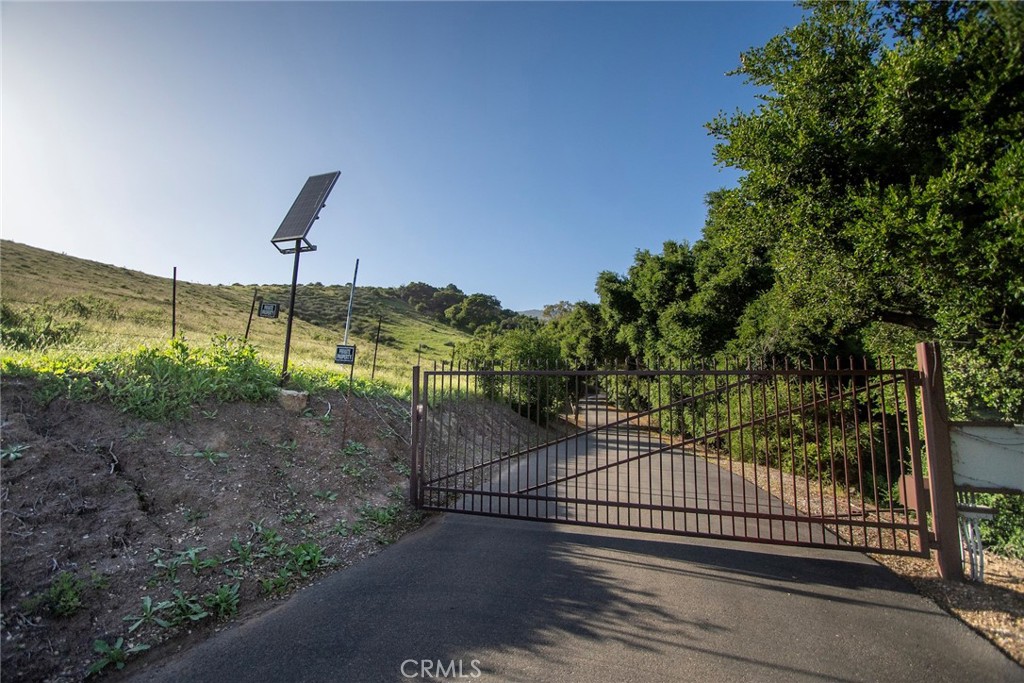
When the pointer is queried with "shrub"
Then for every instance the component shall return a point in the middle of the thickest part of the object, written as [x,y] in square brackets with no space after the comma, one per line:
[34,328]
[1004,534]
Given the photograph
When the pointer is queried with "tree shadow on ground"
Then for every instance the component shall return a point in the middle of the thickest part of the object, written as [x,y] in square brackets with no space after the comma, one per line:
[520,601]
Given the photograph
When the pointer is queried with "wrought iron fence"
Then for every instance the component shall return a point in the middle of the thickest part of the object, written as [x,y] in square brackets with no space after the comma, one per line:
[808,454]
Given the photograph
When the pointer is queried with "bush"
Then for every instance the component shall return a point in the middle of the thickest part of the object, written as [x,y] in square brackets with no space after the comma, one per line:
[34,328]
[88,307]
[1004,534]
[538,398]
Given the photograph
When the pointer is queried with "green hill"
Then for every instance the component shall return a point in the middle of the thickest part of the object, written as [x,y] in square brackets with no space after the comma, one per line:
[106,308]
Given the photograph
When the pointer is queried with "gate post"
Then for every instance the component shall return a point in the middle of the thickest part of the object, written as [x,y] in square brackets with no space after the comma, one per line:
[414,440]
[940,462]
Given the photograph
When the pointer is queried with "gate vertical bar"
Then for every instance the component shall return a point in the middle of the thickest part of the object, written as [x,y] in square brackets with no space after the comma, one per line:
[414,480]
[910,387]
[938,450]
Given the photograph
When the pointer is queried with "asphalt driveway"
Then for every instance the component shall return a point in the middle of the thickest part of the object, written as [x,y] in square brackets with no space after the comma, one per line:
[482,599]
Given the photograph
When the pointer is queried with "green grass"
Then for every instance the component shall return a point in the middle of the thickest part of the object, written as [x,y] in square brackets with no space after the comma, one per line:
[81,311]
[155,383]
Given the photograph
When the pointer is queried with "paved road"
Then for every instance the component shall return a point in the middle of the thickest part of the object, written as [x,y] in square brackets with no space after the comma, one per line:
[626,475]
[526,601]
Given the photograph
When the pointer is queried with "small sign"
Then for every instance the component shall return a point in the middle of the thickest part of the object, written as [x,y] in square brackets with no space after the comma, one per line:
[988,457]
[346,354]
[269,310]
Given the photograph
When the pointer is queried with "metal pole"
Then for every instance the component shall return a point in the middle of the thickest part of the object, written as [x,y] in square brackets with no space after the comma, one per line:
[291,313]
[251,309]
[376,343]
[348,403]
[174,303]
[351,296]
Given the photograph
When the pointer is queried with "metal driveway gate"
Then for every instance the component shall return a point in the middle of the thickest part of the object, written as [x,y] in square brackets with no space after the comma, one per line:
[812,455]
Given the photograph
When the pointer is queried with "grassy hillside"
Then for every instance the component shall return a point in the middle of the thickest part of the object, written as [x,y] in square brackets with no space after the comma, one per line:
[113,308]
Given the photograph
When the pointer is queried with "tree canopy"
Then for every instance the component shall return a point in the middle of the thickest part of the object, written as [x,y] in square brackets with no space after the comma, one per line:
[881,168]
[881,203]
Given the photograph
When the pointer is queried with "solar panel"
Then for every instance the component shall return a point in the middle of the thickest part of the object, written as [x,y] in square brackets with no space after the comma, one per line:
[305,208]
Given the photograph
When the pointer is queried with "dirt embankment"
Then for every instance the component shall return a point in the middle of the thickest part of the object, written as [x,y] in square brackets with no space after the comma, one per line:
[158,534]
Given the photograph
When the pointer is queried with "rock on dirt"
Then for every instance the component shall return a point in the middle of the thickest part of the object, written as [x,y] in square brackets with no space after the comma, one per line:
[293,401]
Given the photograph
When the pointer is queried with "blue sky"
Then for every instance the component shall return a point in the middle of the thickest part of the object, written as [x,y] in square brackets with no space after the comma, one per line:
[515,149]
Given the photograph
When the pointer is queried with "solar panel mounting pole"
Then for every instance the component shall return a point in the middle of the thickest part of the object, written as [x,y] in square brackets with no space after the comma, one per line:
[351,297]
[291,312]
[295,228]
[348,321]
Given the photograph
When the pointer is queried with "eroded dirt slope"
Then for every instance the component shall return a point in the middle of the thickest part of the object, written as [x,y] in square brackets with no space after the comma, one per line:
[101,510]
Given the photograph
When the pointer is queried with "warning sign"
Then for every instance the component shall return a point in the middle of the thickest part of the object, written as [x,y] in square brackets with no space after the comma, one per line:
[346,354]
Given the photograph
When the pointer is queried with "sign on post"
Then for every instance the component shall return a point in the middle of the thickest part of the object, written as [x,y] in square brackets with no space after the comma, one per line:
[269,310]
[988,457]
[345,354]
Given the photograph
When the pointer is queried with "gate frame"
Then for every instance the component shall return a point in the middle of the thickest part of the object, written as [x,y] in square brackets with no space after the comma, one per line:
[943,538]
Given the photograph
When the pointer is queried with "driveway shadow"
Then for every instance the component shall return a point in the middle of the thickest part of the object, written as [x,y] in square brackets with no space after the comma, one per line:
[485,599]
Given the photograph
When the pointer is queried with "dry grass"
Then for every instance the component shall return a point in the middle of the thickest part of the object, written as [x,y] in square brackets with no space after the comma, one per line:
[133,308]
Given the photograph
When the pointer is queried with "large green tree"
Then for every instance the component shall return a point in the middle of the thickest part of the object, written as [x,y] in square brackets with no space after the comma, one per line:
[656,288]
[583,336]
[885,167]
[883,175]
[475,310]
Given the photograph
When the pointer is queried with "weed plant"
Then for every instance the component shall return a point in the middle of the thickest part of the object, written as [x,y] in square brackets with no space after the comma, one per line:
[186,609]
[224,601]
[34,327]
[149,614]
[316,380]
[12,452]
[154,383]
[116,654]
[62,598]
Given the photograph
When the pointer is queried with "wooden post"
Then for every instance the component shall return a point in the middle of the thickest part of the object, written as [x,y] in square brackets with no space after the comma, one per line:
[940,462]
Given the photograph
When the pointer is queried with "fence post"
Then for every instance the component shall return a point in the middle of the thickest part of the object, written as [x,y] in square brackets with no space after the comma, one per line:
[940,462]
[414,440]
[174,303]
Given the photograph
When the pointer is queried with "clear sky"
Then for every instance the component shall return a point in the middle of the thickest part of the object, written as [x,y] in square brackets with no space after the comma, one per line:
[515,149]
